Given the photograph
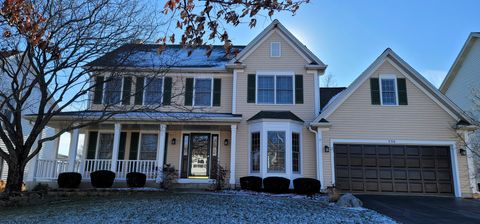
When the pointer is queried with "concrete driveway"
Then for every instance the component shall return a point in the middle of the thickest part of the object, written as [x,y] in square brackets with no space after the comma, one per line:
[420,209]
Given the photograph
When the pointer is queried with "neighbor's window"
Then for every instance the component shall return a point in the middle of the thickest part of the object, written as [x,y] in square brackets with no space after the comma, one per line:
[388,91]
[203,92]
[113,90]
[295,152]
[255,156]
[275,49]
[105,146]
[275,89]
[148,148]
[276,151]
[153,91]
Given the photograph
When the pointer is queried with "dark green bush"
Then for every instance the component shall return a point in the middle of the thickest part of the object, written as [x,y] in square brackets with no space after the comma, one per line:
[69,180]
[251,183]
[276,185]
[136,179]
[102,178]
[307,186]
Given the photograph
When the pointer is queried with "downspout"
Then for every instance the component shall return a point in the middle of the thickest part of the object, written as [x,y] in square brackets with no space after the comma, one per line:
[318,156]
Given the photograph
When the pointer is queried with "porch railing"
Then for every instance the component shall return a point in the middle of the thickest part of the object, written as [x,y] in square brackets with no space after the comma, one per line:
[49,169]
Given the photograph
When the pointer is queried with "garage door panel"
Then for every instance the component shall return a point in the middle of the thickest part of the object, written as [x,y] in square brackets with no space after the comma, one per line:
[393,168]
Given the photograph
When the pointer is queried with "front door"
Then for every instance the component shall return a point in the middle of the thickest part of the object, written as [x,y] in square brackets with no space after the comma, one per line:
[199,155]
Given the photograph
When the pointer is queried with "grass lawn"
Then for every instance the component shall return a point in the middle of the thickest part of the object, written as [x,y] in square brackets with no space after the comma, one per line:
[165,207]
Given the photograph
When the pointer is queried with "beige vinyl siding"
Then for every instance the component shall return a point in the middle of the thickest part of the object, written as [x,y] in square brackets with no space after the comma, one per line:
[422,120]
[290,61]
[467,80]
[178,93]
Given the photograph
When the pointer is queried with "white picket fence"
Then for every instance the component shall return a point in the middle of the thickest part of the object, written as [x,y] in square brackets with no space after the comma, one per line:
[49,169]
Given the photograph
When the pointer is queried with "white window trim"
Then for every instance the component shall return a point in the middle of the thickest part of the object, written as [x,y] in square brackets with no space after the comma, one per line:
[299,152]
[388,76]
[279,49]
[105,90]
[451,144]
[263,127]
[145,91]
[275,74]
[194,92]
[139,147]
[98,143]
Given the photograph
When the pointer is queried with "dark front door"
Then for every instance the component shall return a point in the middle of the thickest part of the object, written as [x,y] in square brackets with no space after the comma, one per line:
[410,169]
[199,155]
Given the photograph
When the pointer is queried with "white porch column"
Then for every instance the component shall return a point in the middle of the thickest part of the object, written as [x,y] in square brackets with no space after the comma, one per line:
[161,151]
[470,163]
[319,153]
[72,152]
[233,151]
[116,146]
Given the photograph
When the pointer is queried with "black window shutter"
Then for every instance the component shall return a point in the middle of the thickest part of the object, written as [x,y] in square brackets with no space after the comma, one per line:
[375,91]
[92,144]
[217,91]
[127,90]
[98,90]
[139,91]
[167,91]
[121,150]
[402,91]
[251,88]
[134,145]
[299,89]
[189,92]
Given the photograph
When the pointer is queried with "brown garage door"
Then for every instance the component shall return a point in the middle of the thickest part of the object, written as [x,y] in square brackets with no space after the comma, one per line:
[393,168]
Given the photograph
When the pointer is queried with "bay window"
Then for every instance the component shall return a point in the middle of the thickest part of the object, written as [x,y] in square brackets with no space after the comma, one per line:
[276,151]
[255,152]
[296,152]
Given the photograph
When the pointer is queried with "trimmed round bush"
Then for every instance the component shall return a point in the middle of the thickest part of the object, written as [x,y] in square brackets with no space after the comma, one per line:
[276,185]
[102,178]
[136,179]
[251,183]
[308,186]
[69,180]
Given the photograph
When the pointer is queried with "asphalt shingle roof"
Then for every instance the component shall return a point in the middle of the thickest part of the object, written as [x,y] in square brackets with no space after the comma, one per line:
[284,115]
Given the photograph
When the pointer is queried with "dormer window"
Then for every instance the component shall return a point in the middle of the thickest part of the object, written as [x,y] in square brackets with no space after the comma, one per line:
[275,49]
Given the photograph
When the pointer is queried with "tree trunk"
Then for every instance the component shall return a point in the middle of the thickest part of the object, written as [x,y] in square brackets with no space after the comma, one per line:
[15,178]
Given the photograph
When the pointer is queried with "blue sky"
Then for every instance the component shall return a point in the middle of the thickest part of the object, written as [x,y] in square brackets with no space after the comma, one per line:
[349,35]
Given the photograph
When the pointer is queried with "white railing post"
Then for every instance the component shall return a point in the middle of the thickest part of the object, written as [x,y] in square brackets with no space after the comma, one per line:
[72,153]
[233,150]
[160,151]
[116,146]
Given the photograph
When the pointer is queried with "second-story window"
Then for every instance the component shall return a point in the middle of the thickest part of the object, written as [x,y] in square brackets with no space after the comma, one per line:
[153,91]
[113,91]
[275,89]
[388,90]
[203,92]
[275,49]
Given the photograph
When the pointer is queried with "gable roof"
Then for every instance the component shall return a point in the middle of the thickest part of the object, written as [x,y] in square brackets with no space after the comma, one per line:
[283,115]
[172,56]
[411,73]
[452,73]
[314,61]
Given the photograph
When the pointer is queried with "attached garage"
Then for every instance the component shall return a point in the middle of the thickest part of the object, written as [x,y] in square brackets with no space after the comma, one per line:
[395,169]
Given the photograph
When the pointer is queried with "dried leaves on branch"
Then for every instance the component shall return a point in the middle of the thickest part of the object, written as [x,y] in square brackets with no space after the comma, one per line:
[203,20]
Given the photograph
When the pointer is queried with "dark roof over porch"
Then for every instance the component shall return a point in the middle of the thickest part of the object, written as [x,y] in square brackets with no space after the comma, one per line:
[283,115]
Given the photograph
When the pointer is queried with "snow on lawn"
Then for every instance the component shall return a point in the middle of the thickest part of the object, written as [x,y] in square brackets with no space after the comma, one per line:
[165,207]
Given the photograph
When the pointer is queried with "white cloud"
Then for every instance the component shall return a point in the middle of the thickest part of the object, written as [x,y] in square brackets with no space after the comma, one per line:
[434,76]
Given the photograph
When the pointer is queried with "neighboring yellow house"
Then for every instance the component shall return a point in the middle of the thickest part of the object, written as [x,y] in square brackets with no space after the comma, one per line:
[259,113]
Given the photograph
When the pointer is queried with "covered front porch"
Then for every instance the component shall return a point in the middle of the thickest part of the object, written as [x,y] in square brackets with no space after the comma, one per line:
[191,147]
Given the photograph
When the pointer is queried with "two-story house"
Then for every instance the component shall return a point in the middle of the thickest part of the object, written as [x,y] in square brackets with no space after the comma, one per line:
[261,112]
[462,86]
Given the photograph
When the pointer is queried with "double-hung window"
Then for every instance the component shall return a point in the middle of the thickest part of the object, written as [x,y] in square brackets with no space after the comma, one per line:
[113,90]
[105,146]
[275,89]
[153,91]
[388,89]
[203,92]
[255,153]
[148,147]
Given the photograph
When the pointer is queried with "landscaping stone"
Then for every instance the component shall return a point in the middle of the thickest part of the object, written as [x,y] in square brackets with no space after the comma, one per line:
[349,201]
